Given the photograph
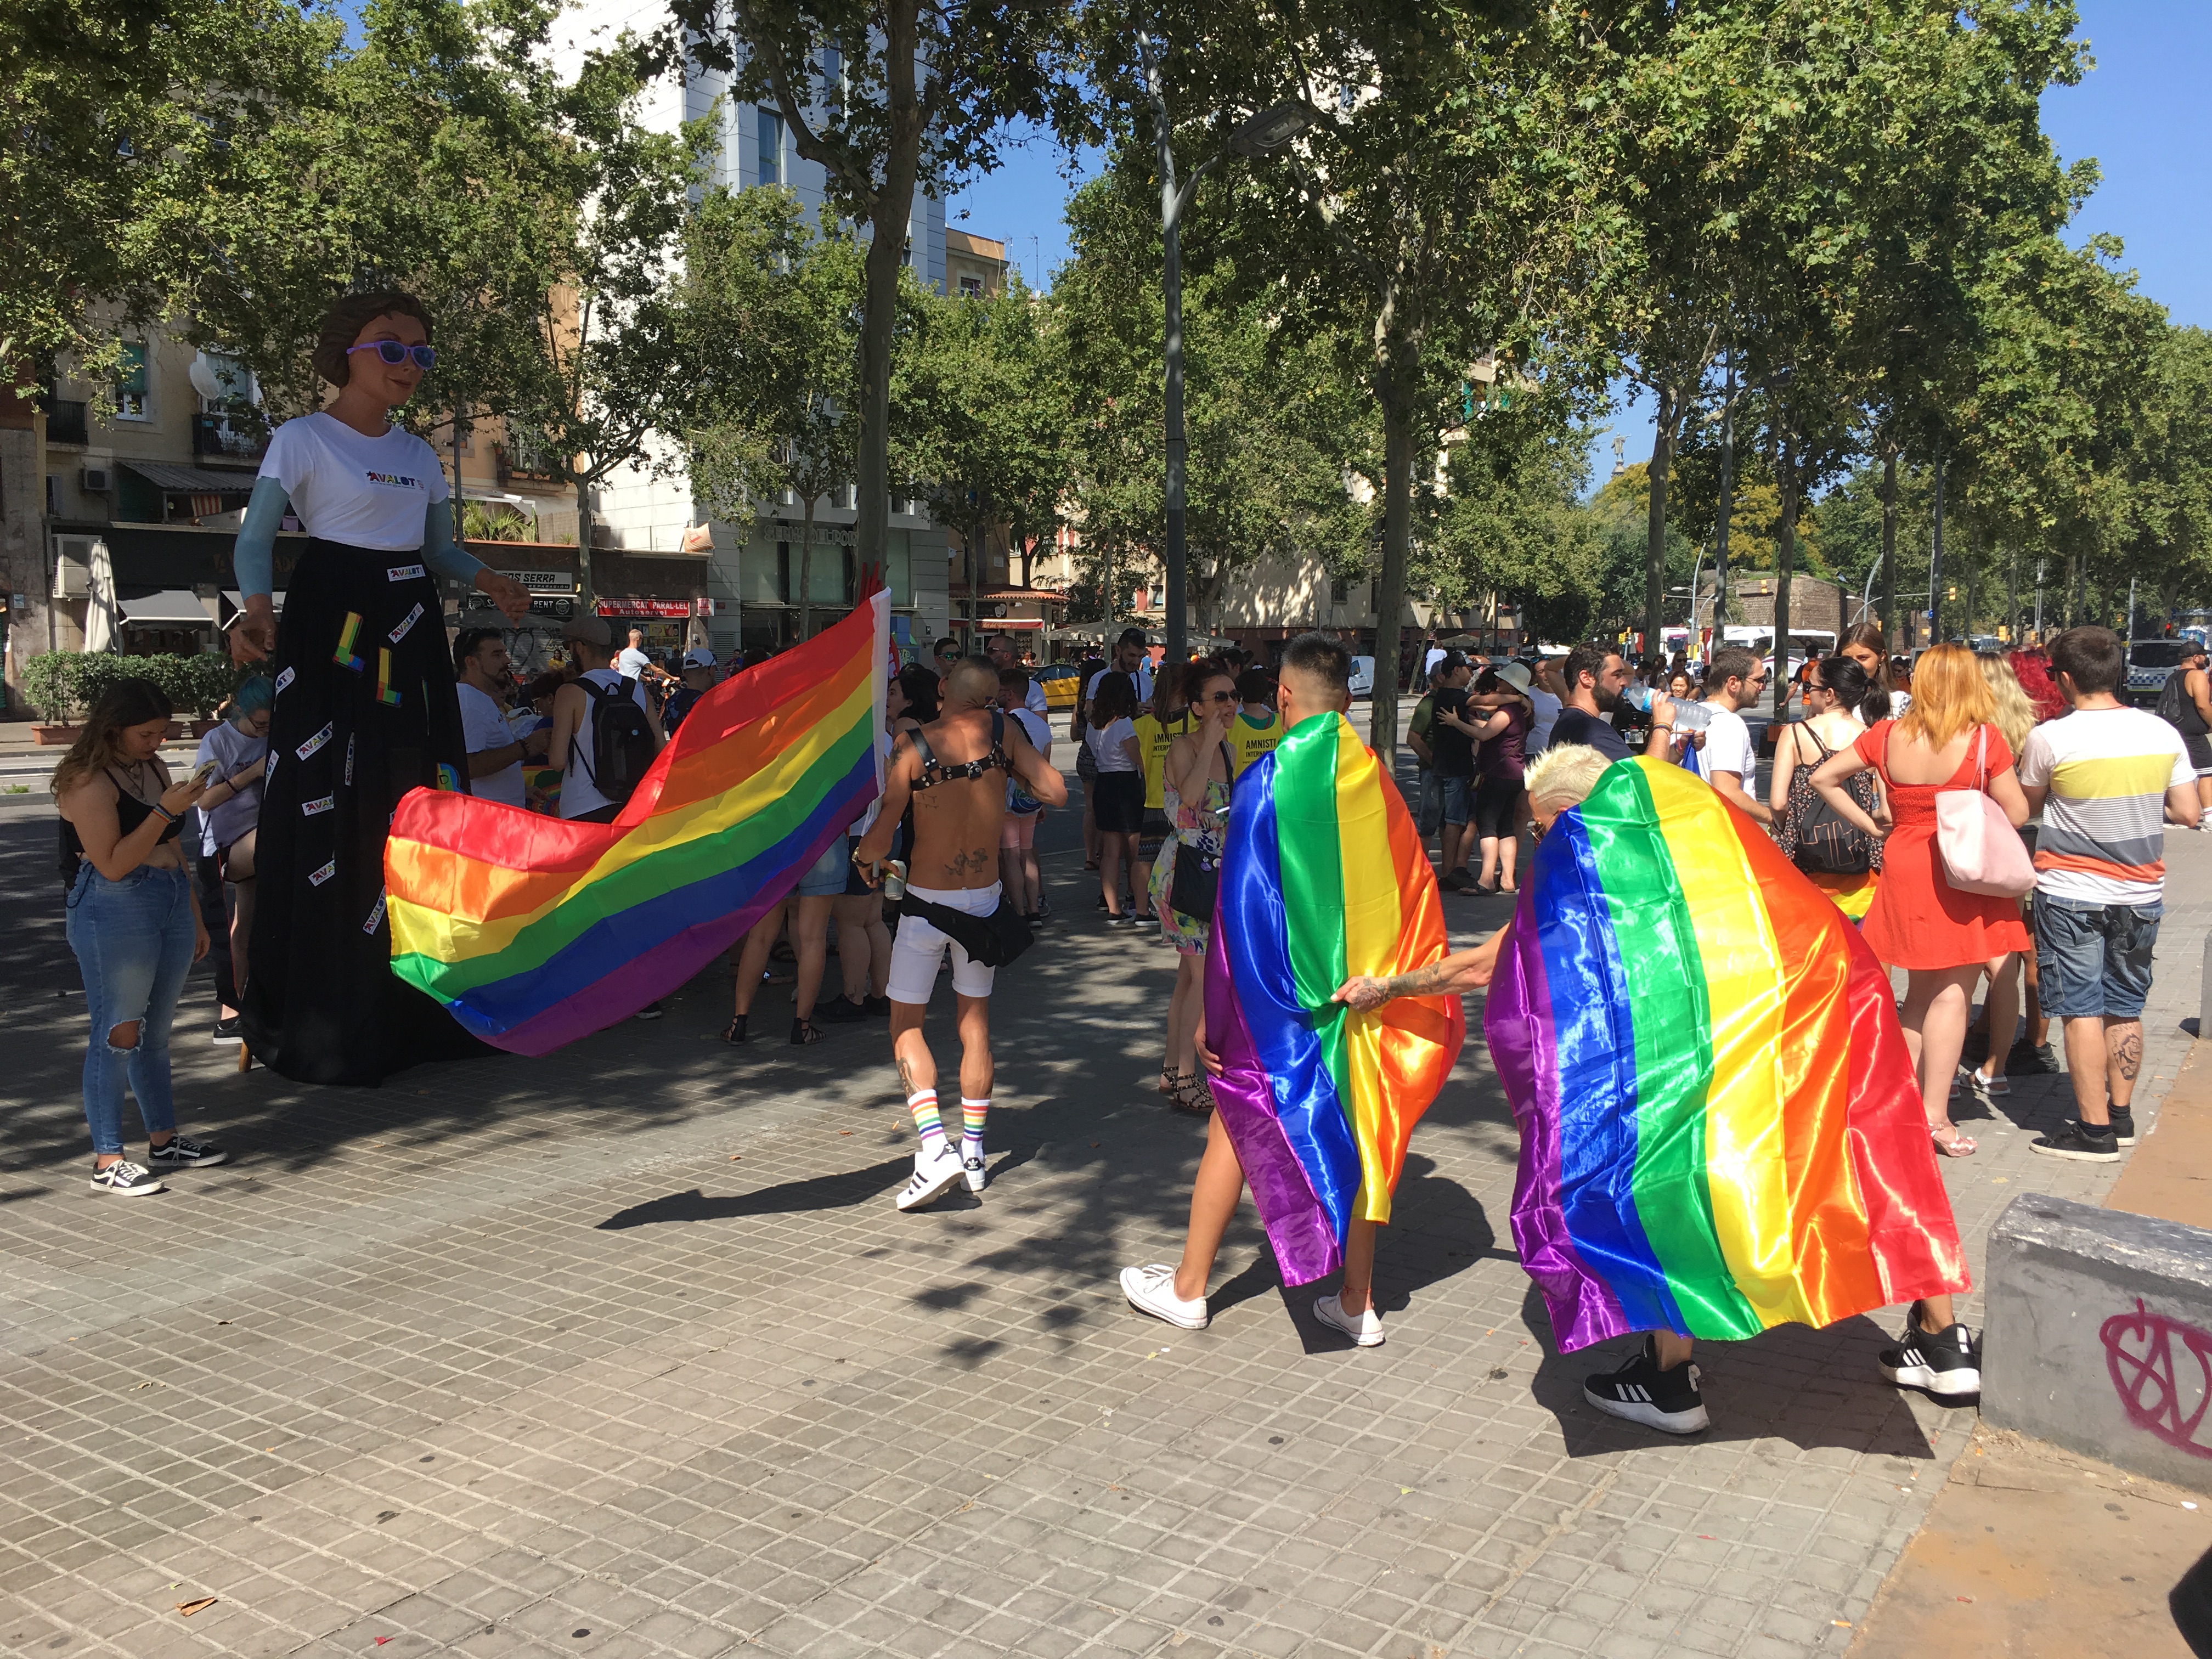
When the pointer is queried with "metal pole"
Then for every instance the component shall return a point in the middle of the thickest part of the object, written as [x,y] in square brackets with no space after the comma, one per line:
[1727,502]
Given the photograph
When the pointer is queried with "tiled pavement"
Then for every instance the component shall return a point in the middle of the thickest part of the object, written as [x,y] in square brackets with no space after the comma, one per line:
[626,1352]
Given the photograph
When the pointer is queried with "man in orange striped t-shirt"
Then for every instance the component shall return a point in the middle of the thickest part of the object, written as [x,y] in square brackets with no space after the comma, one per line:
[2108,779]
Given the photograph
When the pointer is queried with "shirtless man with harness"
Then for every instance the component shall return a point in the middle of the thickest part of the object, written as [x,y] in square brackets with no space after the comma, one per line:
[953,773]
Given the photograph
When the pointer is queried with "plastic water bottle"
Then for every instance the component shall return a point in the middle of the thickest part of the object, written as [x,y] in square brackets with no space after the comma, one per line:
[1688,716]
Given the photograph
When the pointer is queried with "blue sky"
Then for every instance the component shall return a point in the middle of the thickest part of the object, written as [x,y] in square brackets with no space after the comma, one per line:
[2144,112]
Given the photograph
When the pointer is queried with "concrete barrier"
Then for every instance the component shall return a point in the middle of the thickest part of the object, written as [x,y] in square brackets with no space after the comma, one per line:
[2100,1335]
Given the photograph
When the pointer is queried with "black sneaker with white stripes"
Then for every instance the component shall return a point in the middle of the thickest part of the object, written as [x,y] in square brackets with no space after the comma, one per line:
[1947,1365]
[183,1152]
[1668,1401]
[125,1180]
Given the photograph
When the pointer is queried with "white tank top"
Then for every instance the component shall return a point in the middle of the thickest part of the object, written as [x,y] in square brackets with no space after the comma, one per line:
[578,795]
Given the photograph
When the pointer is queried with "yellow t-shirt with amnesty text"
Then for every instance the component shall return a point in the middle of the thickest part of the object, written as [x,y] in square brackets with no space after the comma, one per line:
[1155,737]
[1249,739]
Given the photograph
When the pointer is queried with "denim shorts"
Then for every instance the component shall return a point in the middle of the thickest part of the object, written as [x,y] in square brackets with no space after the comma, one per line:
[1459,799]
[826,879]
[2093,959]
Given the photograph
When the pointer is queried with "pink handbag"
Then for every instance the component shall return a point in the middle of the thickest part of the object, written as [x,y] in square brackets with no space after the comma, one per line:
[1982,851]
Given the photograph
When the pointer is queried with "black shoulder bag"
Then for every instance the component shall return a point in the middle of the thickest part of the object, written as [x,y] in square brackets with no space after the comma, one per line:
[1195,888]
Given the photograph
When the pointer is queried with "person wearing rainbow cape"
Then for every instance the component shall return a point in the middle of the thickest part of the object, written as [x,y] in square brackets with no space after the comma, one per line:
[1720,1127]
[1321,876]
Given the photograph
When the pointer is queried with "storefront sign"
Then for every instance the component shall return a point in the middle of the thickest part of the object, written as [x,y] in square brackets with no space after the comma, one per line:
[543,581]
[676,610]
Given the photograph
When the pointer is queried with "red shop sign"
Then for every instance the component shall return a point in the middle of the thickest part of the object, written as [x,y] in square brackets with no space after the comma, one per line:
[673,610]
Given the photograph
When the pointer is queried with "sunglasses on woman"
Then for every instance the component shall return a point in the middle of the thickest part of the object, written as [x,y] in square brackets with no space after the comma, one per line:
[395,354]
[1219,696]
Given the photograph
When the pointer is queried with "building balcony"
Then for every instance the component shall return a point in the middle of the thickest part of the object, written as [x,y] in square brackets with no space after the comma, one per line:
[218,437]
[523,463]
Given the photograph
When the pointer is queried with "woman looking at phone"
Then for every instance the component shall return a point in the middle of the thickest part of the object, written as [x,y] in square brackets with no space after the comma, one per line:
[134,923]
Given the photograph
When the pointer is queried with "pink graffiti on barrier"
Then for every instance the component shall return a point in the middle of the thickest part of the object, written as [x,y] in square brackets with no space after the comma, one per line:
[2139,1352]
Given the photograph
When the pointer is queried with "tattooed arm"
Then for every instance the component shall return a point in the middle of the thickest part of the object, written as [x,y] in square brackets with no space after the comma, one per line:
[1455,974]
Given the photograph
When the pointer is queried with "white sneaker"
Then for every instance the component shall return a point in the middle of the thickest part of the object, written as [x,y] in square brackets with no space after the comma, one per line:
[1366,1330]
[976,1174]
[126,1180]
[932,1178]
[1151,1290]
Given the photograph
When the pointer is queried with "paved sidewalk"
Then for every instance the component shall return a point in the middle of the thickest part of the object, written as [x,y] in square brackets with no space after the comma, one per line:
[626,1352]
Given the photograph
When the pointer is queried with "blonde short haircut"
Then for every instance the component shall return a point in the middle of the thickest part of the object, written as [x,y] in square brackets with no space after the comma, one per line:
[1565,773]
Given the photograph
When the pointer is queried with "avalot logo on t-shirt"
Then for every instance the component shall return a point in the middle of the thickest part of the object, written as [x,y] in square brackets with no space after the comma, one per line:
[394,480]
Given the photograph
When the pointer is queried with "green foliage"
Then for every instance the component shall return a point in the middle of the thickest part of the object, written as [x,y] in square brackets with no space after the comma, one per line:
[1275,427]
[1514,524]
[64,684]
[116,110]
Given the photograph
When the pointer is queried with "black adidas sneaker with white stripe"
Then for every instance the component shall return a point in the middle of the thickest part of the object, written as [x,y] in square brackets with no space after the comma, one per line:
[1668,1401]
[1947,1365]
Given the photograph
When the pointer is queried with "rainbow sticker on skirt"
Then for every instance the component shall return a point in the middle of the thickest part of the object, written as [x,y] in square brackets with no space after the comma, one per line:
[344,656]
[449,778]
[385,694]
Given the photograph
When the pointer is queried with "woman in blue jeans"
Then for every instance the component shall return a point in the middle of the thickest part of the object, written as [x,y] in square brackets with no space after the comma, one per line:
[134,922]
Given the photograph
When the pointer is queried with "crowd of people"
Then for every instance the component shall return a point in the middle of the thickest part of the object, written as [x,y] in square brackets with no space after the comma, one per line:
[2047,891]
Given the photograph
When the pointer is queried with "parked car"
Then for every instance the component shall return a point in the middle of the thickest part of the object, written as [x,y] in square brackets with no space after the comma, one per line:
[2150,663]
[1363,676]
[1062,683]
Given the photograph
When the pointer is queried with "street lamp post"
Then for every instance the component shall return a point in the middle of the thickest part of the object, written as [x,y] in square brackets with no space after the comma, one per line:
[1262,135]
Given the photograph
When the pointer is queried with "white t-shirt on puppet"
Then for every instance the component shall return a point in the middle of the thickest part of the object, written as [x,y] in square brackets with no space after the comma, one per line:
[364,492]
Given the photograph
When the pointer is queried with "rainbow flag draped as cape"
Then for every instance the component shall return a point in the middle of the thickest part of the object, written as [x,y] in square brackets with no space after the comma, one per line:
[535,931]
[1323,877]
[1720,1126]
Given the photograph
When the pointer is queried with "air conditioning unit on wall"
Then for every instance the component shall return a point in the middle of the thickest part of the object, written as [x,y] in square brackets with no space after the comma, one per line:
[95,480]
[73,566]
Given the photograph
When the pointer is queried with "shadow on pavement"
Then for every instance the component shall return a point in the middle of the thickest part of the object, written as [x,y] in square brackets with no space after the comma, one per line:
[838,1191]
[1805,1386]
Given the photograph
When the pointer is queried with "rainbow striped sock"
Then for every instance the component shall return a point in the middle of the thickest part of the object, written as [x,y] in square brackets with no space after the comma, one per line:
[972,1115]
[924,1107]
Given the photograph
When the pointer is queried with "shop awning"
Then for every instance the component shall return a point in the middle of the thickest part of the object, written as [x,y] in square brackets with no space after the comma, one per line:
[173,607]
[199,480]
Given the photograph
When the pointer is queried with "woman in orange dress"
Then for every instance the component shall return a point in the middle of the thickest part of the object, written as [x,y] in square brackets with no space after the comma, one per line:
[1918,921]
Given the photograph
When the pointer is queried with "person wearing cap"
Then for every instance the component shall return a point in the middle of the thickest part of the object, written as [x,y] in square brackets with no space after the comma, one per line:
[586,640]
[699,679]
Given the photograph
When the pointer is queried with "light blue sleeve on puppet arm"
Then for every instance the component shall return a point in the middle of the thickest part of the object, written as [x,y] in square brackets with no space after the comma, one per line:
[254,558]
[441,552]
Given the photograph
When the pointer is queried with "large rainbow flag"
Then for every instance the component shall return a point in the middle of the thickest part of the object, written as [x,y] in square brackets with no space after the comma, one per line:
[1323,877]
[1720,1126]
[535,931]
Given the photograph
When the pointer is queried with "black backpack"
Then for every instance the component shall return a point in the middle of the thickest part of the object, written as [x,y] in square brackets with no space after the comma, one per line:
[1816,839]
[621,739]
[2177,707]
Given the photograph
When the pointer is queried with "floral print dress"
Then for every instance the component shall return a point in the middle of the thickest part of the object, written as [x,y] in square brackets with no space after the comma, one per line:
[1203,829]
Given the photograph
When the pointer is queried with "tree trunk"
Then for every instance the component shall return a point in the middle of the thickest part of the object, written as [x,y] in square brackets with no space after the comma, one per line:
[1785,558]
[806,570]
[1888,558]
[1936,560]
[1390,589]
[587,595]
[460,526]
[1655,546]
[894,201]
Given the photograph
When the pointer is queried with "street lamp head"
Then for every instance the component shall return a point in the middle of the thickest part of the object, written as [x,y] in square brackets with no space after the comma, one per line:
[1270,129]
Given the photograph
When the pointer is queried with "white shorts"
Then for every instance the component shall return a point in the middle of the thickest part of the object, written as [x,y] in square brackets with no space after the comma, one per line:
[918,947]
